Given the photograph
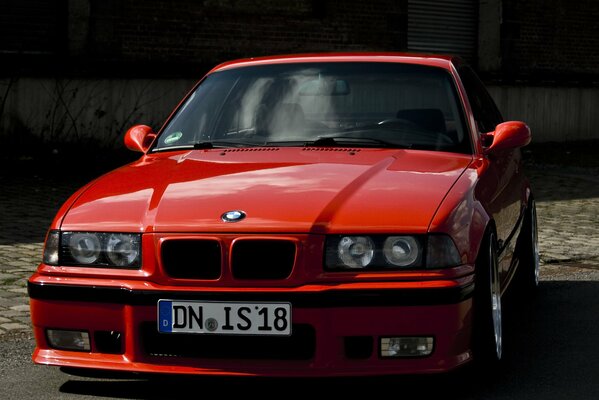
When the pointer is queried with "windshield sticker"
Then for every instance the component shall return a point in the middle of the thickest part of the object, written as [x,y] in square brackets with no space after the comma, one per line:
[173,137]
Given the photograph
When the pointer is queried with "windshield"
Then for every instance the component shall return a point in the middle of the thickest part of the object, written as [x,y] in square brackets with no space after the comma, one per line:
[360,104]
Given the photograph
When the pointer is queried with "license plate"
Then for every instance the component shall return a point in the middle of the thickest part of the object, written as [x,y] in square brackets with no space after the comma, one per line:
[224,318]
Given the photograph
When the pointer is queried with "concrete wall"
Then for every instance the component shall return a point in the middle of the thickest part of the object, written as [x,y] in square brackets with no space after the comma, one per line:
[556,114]
[94,111]
[84,111]
[75,47]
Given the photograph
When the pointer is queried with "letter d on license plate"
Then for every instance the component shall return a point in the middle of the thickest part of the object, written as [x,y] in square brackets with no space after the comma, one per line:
[224,318]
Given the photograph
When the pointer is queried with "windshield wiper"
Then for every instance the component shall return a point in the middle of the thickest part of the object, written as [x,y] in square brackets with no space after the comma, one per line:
[354,141]
[221,143]
[203,145]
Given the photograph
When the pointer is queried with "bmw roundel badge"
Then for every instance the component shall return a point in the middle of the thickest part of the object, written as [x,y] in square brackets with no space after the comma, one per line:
[233,216]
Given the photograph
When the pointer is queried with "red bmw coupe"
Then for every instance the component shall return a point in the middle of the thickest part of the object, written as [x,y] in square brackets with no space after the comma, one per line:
[306,215]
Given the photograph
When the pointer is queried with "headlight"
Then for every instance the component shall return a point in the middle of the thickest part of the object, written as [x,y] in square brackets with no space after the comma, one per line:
[51,248]
[84,247]
[355,251]
[122,249]
[384,253]
[94,249]
[373,252]
[442,252]
[401,250]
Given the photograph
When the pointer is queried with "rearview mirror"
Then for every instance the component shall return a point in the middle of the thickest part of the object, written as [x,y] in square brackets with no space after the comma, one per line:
[507,135]
[139,138]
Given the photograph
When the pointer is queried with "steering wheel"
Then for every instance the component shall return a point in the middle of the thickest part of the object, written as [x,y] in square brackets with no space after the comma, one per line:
[416,129]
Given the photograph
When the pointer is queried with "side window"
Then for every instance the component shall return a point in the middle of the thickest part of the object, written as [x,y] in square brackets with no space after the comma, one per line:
[485,111]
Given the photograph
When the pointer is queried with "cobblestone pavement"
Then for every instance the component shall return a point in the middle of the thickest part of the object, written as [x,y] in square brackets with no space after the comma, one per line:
[27,206]
[567,203]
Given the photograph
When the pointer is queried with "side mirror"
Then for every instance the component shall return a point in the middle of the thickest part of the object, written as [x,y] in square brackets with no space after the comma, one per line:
[139,138]
[507,135]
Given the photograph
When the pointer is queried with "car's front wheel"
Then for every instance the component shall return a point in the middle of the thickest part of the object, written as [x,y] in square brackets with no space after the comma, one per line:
[488,317]
[528,270]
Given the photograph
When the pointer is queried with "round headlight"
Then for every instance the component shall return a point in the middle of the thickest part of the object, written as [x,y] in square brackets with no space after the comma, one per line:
[355,251]
[122,249]
[401,250]
[85,247]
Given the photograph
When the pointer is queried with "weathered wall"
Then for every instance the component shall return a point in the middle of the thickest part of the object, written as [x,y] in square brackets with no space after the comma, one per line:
[517,39]
[98,111]
[85,111]
[72,69]
[554,114]
[549,39]
[223,29]
[165,38]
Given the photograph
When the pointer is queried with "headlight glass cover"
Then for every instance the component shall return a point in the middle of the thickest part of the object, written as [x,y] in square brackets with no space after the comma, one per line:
[355,251]
[390,252]
[94,249]
[84,247]
[401,251]
[122,249]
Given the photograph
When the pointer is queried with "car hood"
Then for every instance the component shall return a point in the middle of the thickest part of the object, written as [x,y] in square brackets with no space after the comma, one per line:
[309,190]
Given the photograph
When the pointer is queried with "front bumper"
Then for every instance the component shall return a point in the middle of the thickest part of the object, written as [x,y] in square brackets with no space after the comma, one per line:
[334,314]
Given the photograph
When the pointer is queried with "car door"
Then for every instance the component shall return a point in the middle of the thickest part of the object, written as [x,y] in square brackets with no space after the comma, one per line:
[504,182]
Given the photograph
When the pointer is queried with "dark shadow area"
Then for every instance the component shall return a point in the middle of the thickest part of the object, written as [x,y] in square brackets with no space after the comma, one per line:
[554,183]
[563,171]
[552,354]
[578,154]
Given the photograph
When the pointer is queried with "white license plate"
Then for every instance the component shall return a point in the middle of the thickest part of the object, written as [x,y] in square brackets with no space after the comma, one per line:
[224,318]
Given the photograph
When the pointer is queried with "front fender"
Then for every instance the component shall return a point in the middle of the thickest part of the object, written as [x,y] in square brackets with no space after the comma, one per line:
[461,214]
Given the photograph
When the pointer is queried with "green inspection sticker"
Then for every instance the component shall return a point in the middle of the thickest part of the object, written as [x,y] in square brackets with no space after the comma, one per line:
[173,137]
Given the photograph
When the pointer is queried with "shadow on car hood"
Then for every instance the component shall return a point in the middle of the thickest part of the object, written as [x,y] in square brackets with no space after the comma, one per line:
[317,190]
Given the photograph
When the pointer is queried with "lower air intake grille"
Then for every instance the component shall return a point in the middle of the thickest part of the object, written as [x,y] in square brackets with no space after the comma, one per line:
[300,345]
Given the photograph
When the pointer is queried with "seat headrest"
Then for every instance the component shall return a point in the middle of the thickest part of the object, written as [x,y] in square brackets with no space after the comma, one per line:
[283,118]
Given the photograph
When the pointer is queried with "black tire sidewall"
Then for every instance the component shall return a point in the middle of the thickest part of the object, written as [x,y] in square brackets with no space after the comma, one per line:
[483,333]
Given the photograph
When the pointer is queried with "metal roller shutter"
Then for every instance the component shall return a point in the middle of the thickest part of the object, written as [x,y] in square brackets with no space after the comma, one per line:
[443,26]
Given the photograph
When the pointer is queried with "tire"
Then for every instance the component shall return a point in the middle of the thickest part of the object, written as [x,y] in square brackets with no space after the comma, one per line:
[487,331]
[528,268]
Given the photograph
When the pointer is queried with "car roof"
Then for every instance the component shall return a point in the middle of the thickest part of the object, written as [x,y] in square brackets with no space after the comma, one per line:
[436,60]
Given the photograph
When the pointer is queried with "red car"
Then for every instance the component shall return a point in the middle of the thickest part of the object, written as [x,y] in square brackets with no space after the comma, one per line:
[309,215]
